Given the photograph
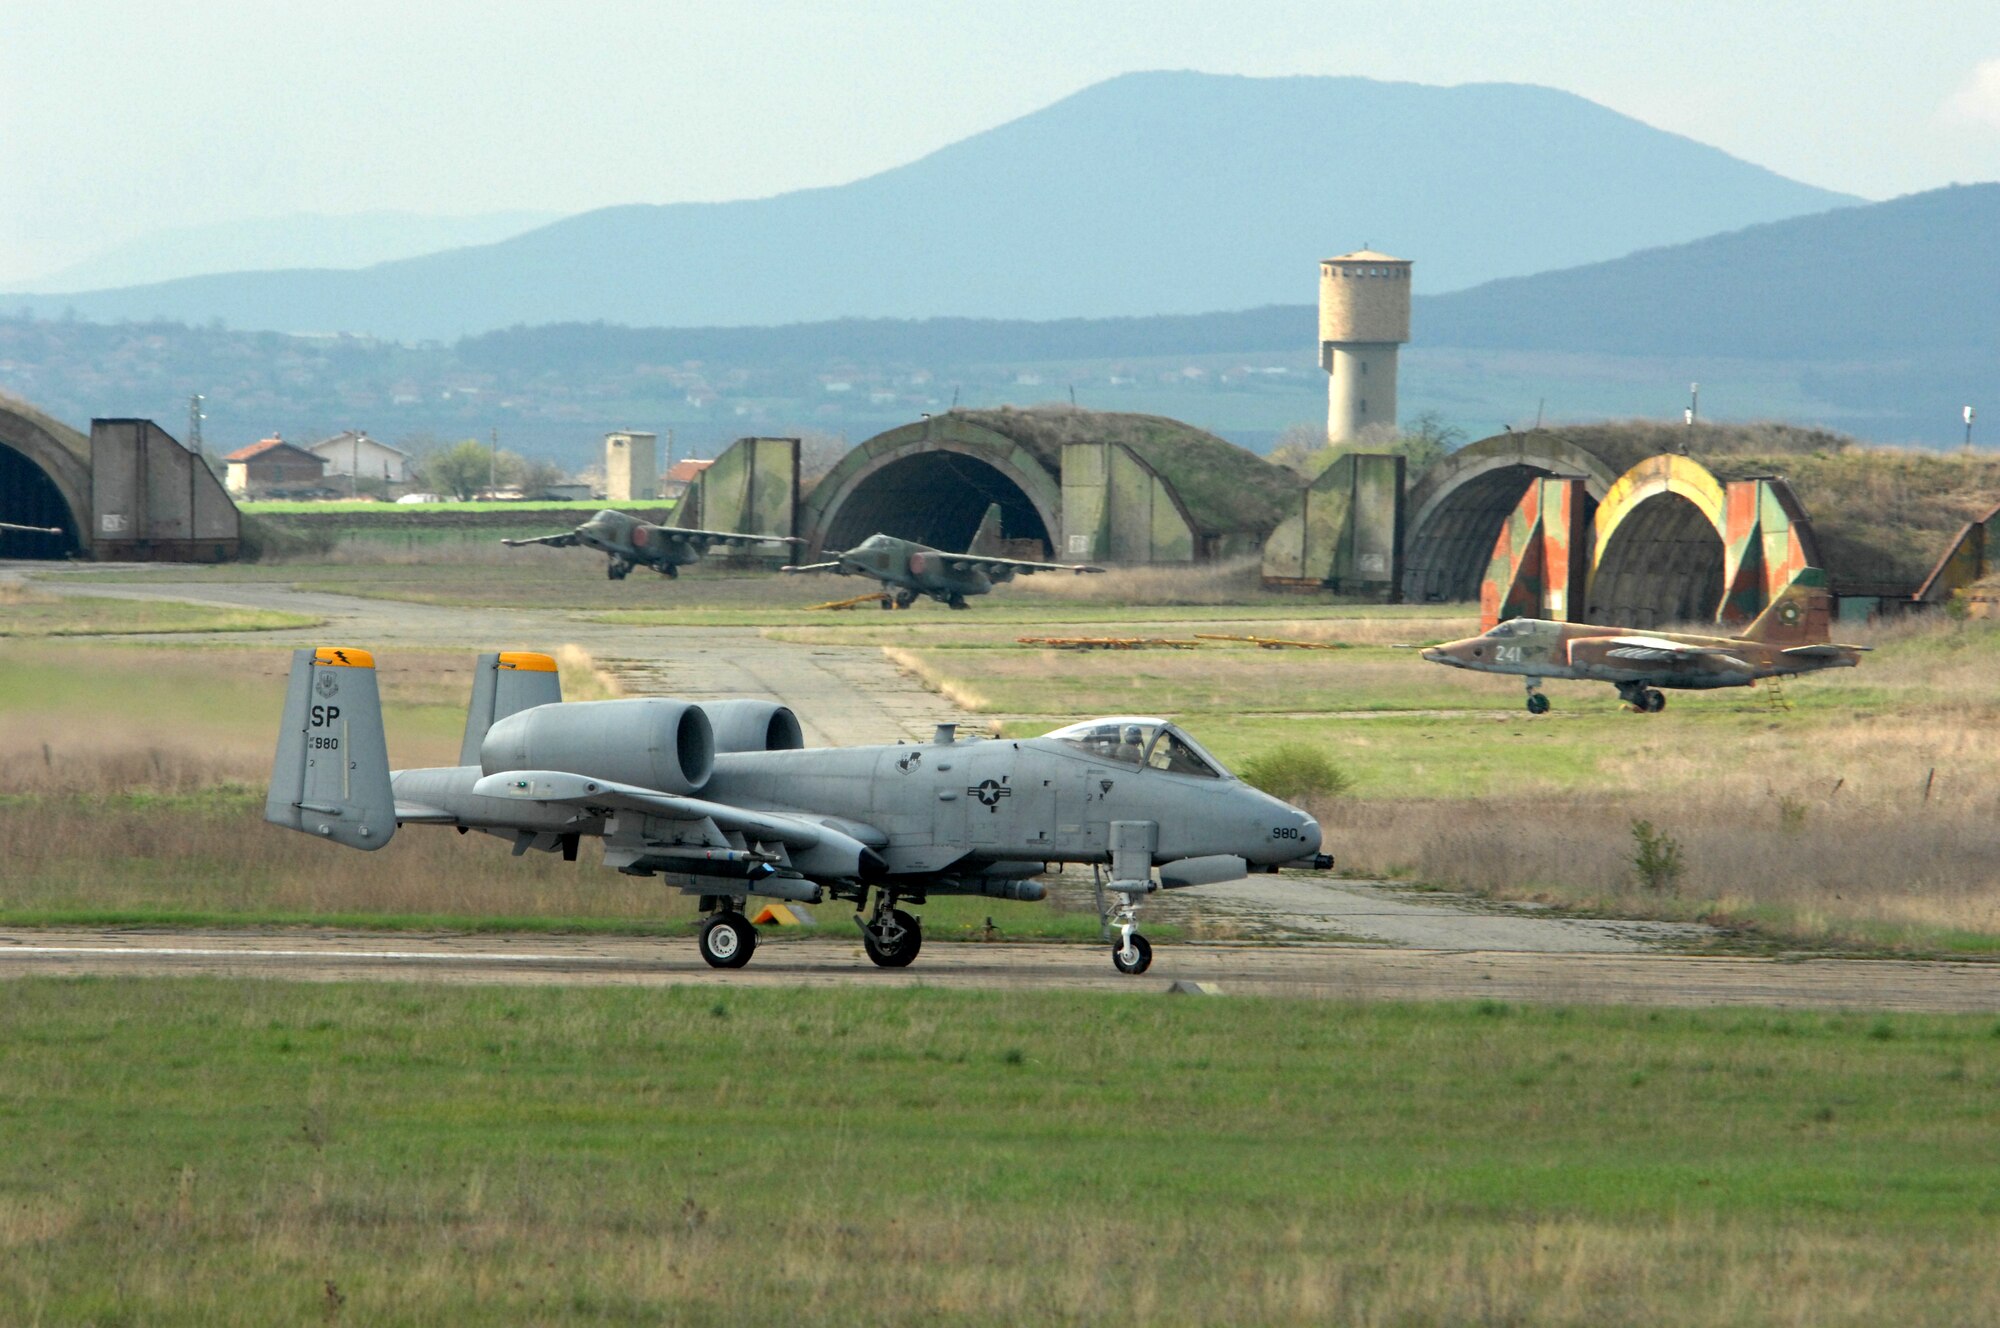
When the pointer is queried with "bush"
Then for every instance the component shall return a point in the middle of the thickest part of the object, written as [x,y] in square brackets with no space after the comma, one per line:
[1293,771]
[265,540]
[1656,858]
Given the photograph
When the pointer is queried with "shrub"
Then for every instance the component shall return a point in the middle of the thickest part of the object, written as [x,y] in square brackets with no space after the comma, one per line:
[1293,771]
[1657,858]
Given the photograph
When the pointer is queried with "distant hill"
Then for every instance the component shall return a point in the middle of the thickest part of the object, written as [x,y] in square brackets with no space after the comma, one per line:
[1159,193]
[351,240]
[1918,275]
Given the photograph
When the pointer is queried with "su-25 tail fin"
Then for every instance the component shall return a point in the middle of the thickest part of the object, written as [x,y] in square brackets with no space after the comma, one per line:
[1801,615]
[504,684]
[331,774]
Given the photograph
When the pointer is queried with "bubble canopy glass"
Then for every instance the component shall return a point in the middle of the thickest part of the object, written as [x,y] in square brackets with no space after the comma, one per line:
[1135,740]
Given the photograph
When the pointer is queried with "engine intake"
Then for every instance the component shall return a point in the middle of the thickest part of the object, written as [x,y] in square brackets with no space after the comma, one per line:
[648,741]
[754,726]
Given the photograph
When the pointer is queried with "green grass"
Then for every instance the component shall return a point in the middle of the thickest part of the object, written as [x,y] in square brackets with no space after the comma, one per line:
[219,1152]
[81,616]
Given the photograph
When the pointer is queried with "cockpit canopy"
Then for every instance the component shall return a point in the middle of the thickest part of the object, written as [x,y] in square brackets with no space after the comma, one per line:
[1519,627]
[1137,741]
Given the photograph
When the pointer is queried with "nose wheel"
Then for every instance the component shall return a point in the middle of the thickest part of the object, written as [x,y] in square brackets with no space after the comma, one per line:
[889,935]
[728,940]
[1538,700]
[1132,953]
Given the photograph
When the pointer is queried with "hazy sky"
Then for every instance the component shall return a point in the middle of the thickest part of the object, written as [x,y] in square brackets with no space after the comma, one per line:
[117,118]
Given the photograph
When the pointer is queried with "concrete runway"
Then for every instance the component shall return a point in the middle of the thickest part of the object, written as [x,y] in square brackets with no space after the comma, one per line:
[1316,971]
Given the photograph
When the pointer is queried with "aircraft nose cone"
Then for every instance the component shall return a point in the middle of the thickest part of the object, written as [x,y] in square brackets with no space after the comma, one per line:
[1309,837]
[1435,656]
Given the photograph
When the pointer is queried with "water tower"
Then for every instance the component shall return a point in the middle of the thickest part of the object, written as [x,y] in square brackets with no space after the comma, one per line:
[1364,315]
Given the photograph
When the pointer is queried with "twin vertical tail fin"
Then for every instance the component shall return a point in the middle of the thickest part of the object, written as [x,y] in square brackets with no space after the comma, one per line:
[331,775]
[504,684]
[1801,615]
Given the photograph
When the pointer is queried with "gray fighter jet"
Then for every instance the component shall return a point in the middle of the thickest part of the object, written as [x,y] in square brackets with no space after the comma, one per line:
[909,569]
[723,800]
[631,543]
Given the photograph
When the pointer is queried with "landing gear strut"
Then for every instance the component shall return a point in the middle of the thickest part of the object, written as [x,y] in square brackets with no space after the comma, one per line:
[1538,701]
[618,569]
[957,602]
[1639,696]
[889,935]
[728,940]
[1130,952]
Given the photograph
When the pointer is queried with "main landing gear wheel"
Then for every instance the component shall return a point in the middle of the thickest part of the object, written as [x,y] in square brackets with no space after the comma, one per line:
[892,938]
[617,571]
[957,602]
[1538,703]
[1652,701]
[728,940]
[1134,955]
[904,599]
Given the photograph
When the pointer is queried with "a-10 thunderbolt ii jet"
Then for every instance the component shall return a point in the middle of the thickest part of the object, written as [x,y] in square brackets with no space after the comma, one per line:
[724,801]
[630,542]
[1788,637]
[908,569]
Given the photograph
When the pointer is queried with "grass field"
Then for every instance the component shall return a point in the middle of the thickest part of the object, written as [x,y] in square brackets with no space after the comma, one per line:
[31,614]
[251,1152]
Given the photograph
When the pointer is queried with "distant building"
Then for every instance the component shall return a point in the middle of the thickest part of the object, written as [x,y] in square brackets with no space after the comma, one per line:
[1364,315]
[682,474]
[272,466]
[565,493]
[631,466]
[353,452]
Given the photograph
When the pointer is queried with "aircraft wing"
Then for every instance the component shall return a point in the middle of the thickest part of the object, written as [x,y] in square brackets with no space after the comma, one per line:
[966,562]
[553,541]
[1824,650]
[833,566]
[1642,651]
[709,539]
[554,786]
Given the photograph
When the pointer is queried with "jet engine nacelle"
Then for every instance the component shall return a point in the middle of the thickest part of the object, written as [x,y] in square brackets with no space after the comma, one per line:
[754,726]
[648,741]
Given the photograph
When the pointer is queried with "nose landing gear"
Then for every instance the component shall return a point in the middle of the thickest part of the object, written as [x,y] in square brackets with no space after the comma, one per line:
[1538,701]
[1130,952]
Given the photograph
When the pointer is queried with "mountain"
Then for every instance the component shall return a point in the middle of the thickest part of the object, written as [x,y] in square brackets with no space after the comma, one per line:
[1158,193]
[352,240]
[1913,277]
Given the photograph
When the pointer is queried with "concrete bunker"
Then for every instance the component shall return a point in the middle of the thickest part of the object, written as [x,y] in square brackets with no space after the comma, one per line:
[936,497]
[44,481]
[1459,505]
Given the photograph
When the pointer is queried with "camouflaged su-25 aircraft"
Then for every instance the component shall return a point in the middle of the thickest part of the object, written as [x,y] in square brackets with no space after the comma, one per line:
[723,800]
[908,569]
[1790,636]
[631,543]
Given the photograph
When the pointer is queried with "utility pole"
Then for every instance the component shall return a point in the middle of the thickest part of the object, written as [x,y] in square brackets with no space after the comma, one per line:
[194,427]
[493,462]
[1969,413]
[1694,404]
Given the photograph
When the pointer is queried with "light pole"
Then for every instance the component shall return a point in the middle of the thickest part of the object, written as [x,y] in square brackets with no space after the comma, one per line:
[1694,404]
[1969,413]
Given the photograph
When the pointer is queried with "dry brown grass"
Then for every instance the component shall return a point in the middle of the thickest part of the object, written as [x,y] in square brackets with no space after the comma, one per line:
[1234,582]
